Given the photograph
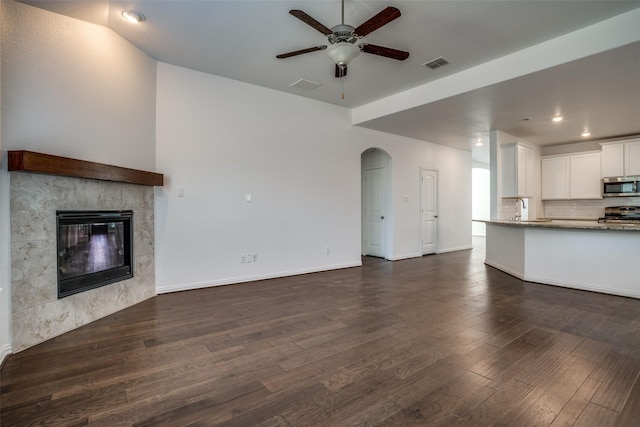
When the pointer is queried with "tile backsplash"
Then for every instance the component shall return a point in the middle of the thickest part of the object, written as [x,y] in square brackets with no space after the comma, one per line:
[507,209]
[584,209]
[568,209]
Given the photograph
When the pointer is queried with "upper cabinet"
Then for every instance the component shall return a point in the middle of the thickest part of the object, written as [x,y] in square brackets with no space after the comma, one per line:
[632,157]
[612,160]
[575,176]
[584,181]
[621,158]
[555,178]
[518,170]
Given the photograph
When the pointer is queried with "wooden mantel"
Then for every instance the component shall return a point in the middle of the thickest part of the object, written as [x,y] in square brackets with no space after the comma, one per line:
[28,161]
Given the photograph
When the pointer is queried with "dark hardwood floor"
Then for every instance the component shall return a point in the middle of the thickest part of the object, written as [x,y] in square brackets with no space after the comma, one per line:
[441,340]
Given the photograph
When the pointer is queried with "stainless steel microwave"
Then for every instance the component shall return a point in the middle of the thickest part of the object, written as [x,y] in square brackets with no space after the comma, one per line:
[621,186]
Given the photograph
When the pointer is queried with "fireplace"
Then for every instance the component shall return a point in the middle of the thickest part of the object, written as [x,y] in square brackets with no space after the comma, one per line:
[94,248]
[41,186]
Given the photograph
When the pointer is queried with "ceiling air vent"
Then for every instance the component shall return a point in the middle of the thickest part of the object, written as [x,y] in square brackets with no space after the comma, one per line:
[305,84]
[437,63]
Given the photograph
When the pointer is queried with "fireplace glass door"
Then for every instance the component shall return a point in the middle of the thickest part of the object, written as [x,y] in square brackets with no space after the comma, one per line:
[94,249]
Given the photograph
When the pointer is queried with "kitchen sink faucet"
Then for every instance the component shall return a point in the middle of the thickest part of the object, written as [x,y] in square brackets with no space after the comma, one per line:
[517,216]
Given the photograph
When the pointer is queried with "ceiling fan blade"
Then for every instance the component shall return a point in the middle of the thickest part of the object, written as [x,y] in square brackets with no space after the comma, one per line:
[341,71]
[300,52]
[382,18]
[310,21]
[400,55]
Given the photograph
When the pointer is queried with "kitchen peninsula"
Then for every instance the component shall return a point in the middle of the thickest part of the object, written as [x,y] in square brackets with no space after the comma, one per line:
[577,254]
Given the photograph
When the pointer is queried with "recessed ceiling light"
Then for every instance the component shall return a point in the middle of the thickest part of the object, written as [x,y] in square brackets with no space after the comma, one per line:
[558,119]
[586,134]
[133,16]
[479,144]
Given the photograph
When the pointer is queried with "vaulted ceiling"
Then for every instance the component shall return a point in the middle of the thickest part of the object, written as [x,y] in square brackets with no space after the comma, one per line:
[595,83]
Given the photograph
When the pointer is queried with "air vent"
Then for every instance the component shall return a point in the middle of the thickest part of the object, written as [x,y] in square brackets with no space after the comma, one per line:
[436,63]
[305,84]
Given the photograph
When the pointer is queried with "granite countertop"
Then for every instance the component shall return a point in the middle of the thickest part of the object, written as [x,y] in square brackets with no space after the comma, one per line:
[584,224]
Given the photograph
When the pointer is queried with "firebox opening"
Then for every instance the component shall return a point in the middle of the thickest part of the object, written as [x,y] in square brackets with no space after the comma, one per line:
[95,248]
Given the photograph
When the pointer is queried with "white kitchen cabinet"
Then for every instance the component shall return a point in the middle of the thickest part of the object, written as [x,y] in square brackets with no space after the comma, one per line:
[555,178]
[632,157]
[621,158]
[612,160]
[575,176]
[518,171]
[584,180]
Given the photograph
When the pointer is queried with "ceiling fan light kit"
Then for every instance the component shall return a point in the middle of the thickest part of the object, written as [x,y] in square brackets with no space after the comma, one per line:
[342,53]
[342,48]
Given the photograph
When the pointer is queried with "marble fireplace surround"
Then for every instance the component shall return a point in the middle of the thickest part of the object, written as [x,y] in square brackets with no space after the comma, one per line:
[37,313]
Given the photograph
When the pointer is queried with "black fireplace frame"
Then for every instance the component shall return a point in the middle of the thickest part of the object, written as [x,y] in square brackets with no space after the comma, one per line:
[85,282]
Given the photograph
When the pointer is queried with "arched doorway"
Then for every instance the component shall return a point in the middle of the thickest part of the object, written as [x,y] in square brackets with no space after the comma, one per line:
[376,202]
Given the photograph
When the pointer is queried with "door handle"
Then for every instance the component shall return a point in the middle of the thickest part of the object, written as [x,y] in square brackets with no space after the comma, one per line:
[382,217]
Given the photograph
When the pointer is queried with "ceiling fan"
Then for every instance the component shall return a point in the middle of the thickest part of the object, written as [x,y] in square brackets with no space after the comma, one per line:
[342,39]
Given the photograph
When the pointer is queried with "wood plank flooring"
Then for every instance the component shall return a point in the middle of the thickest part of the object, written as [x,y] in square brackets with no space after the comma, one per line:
[438,341]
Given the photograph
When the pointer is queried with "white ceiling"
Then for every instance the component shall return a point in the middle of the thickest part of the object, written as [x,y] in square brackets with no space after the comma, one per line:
[239,39]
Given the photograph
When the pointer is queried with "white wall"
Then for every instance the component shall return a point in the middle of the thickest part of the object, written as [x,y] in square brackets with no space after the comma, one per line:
[74,89]
[300,160]
[480,200]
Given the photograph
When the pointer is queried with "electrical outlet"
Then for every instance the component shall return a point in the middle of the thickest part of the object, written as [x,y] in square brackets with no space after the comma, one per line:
[247,258]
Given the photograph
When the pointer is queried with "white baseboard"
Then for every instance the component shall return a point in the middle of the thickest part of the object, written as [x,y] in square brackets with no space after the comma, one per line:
[5,350]
[244,279]
[439,251]
[583,287]
[459,248]
[500,267]
[405,256]
[562,284]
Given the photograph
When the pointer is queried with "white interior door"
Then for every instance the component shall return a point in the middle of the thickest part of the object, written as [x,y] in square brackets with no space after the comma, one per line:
[429,210]
[374,211]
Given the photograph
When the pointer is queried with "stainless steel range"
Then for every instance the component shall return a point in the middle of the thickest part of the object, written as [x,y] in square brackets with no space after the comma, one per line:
[621,215]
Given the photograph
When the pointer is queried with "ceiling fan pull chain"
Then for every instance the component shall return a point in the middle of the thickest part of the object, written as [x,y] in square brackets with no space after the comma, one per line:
[342,84]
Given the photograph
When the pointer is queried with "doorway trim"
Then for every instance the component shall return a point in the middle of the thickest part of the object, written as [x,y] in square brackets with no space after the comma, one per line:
[376,159]
[429,215]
